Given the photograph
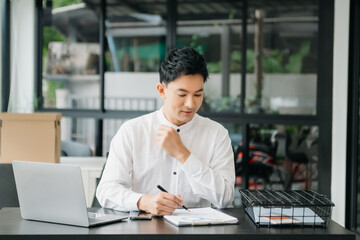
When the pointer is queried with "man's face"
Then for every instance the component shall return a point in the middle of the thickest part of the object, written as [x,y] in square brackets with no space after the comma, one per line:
[182,98]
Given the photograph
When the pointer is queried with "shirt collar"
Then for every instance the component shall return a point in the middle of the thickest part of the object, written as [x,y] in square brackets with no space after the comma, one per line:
[182,129]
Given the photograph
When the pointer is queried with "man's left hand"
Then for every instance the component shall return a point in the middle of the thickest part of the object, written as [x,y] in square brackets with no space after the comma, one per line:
[169,140]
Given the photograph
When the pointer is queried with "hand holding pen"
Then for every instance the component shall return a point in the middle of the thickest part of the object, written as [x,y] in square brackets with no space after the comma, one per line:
[163,190]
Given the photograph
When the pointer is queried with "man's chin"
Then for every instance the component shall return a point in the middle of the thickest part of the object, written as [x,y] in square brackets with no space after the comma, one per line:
[186,119]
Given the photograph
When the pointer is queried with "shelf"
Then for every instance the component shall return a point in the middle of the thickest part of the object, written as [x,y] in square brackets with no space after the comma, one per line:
[72,78]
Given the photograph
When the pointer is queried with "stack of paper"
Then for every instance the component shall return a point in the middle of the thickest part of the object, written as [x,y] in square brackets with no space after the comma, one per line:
[199,216]
[293,215]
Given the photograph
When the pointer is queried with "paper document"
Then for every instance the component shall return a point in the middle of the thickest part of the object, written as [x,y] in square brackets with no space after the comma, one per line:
[294,215]
[199,216]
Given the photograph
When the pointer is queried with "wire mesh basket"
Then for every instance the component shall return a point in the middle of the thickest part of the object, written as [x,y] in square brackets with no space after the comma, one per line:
[286,207]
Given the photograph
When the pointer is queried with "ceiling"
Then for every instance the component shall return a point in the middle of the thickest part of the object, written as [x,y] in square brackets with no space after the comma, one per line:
[74,20]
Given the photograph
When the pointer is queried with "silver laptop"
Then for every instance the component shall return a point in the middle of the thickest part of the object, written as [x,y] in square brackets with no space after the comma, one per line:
[54,193]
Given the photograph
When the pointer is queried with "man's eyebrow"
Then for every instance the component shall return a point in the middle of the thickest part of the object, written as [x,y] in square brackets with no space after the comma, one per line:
[184,90]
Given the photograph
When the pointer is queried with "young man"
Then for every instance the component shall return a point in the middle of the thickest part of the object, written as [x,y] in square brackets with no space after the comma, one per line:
[189,155]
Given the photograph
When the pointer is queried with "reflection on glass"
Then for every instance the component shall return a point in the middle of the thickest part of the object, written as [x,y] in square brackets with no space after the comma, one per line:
[111,126]
[214,31]
[282,58]
[70,55]
[235,133]
[78,135]
[136,47]
[281,157]
[134,53]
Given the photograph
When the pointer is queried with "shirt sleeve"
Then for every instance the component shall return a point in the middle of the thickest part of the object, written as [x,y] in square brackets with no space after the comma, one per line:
[214,182]
[114,190]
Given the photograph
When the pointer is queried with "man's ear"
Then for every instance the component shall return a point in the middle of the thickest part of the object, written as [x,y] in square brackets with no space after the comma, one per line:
[160,87]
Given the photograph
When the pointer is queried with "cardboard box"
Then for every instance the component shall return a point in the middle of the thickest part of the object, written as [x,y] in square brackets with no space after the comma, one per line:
[30,137]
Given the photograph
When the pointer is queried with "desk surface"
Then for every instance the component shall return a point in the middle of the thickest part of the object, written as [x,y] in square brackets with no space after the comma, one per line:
[12,226]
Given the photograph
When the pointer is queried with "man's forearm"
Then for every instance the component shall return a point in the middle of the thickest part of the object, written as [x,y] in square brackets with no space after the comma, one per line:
[215,185]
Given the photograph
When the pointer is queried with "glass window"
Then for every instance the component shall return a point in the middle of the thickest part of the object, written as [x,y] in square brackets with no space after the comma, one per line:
[213,29]
[281,157]
[281,71]
[80,130]
[235,134]
[111,126]
[135,36]
[282,57]
[70,73]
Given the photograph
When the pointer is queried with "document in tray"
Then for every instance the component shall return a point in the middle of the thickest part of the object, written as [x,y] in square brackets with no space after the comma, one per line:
[199,216]
[296,215]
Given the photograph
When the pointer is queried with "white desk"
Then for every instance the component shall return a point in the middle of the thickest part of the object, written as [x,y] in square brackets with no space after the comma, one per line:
[91,168]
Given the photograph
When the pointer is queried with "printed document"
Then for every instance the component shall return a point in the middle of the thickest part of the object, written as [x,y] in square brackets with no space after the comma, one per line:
[293,215]
[199,216]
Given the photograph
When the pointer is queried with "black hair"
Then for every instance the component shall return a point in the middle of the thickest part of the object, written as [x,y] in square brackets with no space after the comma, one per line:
[182,61]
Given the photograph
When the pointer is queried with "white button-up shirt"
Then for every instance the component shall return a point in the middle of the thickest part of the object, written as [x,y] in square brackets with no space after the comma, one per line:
[136,164]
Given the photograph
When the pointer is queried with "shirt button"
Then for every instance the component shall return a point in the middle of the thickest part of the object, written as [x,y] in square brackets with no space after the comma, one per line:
[174,173]
[178,130]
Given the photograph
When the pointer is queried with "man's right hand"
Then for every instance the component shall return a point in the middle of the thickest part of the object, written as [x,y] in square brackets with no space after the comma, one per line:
[160,204]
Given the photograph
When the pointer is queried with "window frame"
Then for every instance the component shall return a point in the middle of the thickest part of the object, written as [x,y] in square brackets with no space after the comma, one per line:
[352,152]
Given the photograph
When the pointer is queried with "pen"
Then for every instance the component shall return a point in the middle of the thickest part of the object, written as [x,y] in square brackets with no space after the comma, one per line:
[163,189]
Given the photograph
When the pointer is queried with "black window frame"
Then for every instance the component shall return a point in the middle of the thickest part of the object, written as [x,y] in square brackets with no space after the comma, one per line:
[352,153]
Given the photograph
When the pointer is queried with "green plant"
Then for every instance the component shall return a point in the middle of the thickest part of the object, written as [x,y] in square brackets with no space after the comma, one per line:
[37,103]
[273,60]
[224,104]
[195,44]
[63,3]
[50,34]
[51,92]
[295,60]
[214,67]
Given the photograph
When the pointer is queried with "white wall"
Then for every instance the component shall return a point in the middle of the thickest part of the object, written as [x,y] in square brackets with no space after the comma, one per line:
[340,85]
[22,56]
[132,85]
[280,91]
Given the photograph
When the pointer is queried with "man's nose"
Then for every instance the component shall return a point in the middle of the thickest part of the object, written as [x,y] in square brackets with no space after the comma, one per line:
[190,102]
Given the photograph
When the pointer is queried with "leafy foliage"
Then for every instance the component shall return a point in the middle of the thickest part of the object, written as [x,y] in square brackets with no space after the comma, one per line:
[273,61]
[63,3]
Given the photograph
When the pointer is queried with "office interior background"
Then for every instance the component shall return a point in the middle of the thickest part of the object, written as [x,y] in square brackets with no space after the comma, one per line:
[284,79]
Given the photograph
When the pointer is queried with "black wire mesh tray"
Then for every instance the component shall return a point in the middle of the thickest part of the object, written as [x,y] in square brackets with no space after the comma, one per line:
[286,207]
